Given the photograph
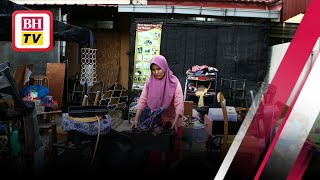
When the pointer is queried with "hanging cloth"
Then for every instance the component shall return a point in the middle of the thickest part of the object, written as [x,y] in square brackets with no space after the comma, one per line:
[201,94]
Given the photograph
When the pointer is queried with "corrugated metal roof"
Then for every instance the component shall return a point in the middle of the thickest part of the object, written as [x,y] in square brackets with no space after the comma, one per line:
[243,4]
[289,8]
[78,2]
[292,8]
[212,1]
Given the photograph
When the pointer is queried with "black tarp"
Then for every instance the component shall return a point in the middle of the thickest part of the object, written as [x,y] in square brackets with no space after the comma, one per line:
[237,50]
[61,31]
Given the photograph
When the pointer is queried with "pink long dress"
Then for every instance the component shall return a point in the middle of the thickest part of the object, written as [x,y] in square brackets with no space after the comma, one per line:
[176,107]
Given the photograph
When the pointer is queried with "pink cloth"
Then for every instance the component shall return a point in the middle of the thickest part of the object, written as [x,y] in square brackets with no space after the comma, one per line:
[161,91]
[198,68]
[176,106]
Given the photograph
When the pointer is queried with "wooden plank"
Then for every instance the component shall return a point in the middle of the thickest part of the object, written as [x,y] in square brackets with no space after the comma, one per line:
[188,109]
[50,112]
[56,74]
[108,57]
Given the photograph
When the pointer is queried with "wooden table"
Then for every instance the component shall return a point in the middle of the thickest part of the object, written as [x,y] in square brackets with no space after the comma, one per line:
[51,119]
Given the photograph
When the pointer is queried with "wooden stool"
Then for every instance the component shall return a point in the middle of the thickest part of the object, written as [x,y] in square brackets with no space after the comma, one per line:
[40,80]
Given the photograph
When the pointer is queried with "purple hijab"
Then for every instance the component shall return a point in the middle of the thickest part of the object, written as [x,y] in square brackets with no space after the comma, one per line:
[161,91]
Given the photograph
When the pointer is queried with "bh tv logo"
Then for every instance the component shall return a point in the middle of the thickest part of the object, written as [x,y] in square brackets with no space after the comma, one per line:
[32,30]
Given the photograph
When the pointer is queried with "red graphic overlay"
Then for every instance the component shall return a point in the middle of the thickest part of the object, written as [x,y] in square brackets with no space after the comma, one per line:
[255,143]
[299,51]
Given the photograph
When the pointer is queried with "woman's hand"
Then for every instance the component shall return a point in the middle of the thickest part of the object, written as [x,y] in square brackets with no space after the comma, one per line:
[175,125]
[135,123]
[136,119]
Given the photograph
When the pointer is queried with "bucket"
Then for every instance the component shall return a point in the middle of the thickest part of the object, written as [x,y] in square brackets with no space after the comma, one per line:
[199,133]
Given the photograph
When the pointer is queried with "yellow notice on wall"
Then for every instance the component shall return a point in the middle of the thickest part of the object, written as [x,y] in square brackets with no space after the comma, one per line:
[148,41]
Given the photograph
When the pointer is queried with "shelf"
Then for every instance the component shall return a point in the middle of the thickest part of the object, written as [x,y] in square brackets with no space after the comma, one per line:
[45,126]
[202,77]
[208,81]
[233,89]
[204,108]
[201,80]
[207,95]
[211,74]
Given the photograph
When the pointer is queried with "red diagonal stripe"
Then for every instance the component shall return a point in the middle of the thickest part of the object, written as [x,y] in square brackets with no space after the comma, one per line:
[266,171]
[299,50]
[304,157]
[301,163]
[281,88]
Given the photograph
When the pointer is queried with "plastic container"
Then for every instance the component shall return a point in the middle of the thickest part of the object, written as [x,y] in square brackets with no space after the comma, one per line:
[42,108]
[199,133]
[48,107]
[47,98]
[55,106]
[37,103]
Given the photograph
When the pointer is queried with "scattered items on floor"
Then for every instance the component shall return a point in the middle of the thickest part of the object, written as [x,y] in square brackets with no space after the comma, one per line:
[33,91]
[118,154]
[188,111]
[186,121]
[213,143]
[195,114]
[198,133]
[190,120]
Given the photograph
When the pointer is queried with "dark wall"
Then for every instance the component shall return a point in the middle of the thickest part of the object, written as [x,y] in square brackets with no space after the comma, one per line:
[38,59]
[237,50]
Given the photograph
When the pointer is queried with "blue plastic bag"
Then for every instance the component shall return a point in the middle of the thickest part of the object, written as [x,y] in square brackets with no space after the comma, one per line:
[41,90]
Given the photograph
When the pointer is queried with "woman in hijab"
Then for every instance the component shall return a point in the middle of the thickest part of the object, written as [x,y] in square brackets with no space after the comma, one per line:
[163,89]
